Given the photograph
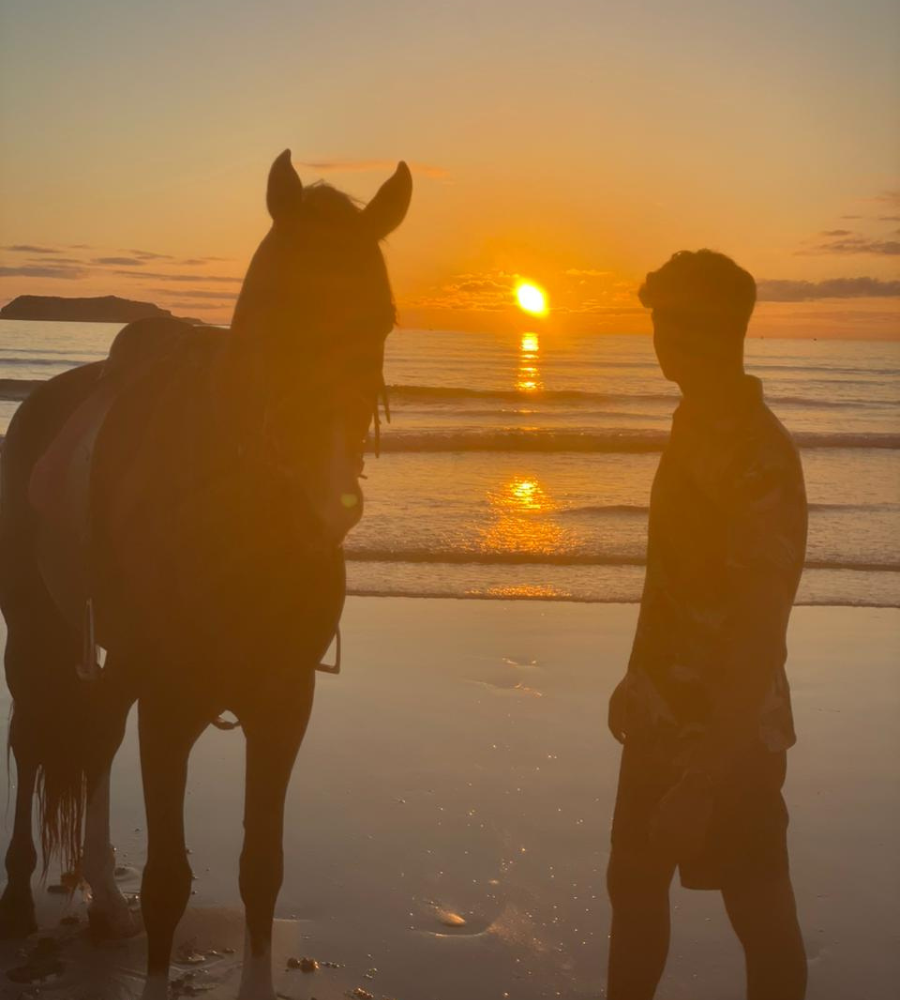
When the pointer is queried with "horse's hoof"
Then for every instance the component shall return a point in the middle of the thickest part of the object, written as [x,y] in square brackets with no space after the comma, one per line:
[156,988]
[16,919]
[112,925]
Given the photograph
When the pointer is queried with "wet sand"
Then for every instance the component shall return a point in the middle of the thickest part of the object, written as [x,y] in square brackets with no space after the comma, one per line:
[447,825]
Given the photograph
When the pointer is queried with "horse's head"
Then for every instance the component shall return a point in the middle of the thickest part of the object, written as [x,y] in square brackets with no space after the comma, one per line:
[312,316]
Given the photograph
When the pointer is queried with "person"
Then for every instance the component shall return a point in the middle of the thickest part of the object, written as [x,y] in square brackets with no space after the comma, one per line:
[704,711]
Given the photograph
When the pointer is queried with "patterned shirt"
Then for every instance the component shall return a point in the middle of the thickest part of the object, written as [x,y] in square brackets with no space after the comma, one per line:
[726,545]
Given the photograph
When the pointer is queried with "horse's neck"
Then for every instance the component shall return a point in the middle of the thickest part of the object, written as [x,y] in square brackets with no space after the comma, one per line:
[238,384]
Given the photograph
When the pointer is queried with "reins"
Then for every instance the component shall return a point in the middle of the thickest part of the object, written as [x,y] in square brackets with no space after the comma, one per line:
[382,397]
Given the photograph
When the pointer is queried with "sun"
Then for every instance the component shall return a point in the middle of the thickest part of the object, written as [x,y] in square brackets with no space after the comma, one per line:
[531,298]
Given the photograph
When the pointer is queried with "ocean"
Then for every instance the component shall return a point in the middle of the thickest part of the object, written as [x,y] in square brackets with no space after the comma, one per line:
[519,466]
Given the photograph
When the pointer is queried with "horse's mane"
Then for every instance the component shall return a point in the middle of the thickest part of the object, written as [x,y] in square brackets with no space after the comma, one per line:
[325,203]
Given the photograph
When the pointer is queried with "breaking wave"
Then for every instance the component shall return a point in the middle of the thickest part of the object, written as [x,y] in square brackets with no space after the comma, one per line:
[625,441]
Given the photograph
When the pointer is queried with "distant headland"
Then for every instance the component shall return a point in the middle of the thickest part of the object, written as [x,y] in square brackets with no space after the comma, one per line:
[100,309]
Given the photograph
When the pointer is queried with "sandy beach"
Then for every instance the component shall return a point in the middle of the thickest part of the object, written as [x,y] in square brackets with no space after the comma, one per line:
[447,825]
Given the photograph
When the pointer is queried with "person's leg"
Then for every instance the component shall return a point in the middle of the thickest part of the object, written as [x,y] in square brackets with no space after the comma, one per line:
[639,940]
[756,883]
[638,880]
[764,916]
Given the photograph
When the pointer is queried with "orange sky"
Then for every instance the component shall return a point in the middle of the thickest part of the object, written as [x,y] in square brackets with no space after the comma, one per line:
[577,145]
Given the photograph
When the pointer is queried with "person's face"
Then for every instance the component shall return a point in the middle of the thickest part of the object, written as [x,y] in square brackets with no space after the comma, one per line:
[687,353]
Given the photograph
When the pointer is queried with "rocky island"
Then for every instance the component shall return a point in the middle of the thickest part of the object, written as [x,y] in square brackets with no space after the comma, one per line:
[99,309]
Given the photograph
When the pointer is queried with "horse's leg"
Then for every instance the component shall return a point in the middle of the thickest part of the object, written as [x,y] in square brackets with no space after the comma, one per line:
[109,914]
[274,729]
[168,729]
[17,905]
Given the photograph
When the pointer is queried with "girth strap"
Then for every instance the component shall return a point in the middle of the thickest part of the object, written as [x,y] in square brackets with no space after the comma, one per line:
[325,668]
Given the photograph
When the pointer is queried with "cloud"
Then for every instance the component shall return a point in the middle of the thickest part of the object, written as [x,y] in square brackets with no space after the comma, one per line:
[364,166]
[775,290]
[589,291]
[481,292]
[889,218]
[156,276]
[195,293]
[44,271]
[150,255]
[837,232]
[28,248]
[597,307]
[200,261]
[480,285]
[131,261]
[839,241]
[888,197]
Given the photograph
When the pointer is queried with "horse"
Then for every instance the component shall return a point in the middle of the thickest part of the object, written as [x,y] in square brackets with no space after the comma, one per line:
[182,506]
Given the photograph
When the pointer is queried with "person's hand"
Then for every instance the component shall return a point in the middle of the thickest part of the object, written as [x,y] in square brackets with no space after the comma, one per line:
[617,715]
[681,823]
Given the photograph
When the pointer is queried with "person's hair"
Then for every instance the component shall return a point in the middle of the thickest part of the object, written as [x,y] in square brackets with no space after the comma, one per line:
[702,288]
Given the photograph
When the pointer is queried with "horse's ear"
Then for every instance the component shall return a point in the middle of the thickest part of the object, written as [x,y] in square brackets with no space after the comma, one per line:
[285,191]
[389,207]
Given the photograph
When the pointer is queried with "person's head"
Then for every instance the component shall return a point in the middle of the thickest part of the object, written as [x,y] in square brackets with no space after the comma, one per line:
[702,302]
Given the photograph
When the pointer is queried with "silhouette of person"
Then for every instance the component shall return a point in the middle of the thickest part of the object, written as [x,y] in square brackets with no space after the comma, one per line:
[704,711]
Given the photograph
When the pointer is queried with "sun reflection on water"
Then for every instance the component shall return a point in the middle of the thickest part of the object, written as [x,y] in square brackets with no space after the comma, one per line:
[523,590]
[528,494]
[528,378]
[519,523]
[530,343]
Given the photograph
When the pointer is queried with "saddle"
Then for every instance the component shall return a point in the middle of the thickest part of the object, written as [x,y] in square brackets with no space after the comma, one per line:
[60,488]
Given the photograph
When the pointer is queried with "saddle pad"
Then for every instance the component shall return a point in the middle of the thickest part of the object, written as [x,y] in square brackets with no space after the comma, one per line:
[60,492]
[59,489]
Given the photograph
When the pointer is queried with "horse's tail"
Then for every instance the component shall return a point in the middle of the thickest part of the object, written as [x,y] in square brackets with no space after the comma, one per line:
[62,781]
[51,727]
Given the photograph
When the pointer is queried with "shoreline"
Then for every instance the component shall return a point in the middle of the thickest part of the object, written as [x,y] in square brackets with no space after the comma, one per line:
[566,599]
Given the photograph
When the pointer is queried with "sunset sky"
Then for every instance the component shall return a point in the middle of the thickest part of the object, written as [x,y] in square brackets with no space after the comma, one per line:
[577,144]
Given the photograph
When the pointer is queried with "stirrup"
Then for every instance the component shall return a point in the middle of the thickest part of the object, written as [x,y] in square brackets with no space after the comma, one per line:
[88,668]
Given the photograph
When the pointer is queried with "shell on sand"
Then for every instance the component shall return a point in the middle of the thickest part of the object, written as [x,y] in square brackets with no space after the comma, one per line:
[450,919]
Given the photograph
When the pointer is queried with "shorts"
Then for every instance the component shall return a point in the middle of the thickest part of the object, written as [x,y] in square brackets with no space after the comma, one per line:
[747,835]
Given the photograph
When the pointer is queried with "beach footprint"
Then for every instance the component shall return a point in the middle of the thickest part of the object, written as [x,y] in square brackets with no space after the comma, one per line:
[511,676]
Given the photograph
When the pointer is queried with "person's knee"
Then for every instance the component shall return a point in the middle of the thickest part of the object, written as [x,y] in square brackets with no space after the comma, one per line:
[762,909]
[635,882]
